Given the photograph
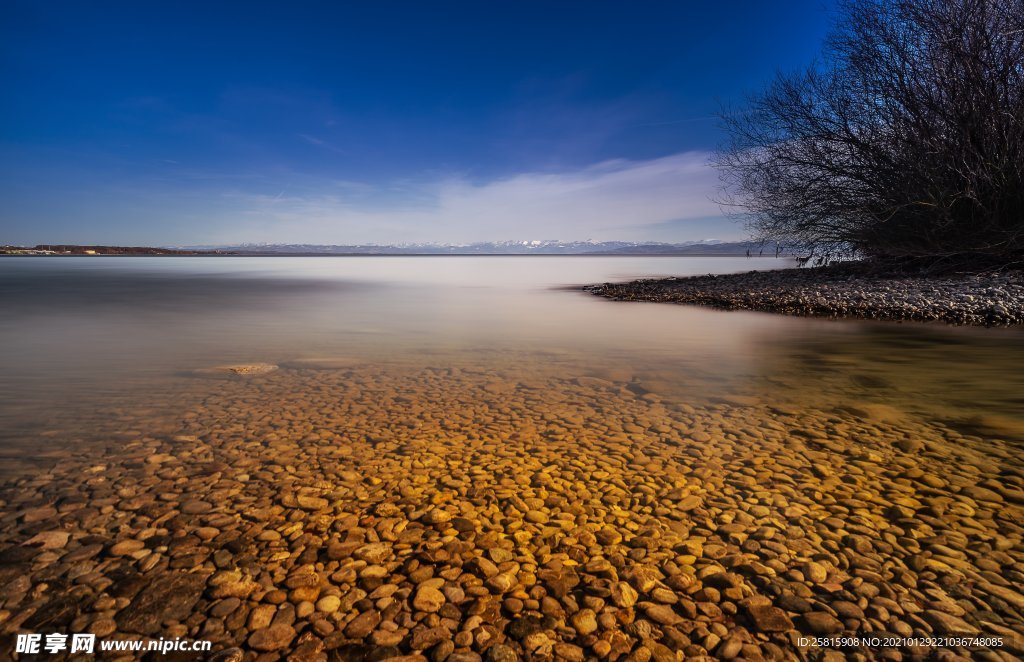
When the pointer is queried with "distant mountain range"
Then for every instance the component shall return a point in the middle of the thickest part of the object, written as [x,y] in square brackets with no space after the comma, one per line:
[531,247]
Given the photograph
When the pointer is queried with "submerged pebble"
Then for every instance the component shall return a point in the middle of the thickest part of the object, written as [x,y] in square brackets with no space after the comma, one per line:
[398,512]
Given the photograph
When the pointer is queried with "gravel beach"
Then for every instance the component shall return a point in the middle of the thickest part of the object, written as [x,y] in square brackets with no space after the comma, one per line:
[515,511]
[975,299]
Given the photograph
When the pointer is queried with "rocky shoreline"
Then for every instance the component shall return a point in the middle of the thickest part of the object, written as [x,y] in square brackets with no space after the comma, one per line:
[346,511]
[988,299]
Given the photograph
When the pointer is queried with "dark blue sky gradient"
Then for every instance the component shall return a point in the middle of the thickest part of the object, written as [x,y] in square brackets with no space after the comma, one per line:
[179,123]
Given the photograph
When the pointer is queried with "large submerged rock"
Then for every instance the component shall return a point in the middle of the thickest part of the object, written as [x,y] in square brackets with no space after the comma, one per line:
[235,370]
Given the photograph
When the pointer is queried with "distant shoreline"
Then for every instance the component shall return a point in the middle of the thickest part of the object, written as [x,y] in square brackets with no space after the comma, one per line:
[500,248]
[393,255]
[229,255]
[842,291]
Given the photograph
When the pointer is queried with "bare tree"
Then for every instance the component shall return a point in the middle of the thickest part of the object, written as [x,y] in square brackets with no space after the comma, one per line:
[907,139]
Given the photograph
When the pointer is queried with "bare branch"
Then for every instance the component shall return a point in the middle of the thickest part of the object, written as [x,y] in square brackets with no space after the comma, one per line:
[906,140]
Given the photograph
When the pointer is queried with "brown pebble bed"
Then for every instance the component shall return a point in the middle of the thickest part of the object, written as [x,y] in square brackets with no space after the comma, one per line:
[515,511]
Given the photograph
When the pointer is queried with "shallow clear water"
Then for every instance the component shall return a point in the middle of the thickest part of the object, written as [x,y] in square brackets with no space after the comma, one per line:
[79,334]
[866,470]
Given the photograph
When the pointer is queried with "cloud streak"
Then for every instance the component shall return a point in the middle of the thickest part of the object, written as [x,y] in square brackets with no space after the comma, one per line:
[616,199]
[319,142]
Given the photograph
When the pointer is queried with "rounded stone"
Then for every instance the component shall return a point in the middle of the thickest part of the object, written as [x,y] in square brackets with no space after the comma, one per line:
[272,638]
[428,599]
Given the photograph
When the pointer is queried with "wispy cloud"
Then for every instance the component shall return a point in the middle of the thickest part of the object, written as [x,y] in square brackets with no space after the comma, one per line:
[610,200]
[319,142]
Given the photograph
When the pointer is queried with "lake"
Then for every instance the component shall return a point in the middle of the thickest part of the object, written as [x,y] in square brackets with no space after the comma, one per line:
[409,416]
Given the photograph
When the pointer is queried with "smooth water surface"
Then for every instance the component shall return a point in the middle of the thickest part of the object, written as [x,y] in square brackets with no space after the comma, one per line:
[422,414]
[78,335]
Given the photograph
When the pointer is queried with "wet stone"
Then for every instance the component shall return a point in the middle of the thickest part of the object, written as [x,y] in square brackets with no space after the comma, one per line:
[584,621]
[770,619]
[373,553]
[363,624]
[170,597]
[815,572]
[948,623]
[424,638]
[49,540]
[228,655]
[126,547]
[365,513]
[501,653]
[272,638]
[196,507]
[56,614]
[662,614]
[311,502]
[819,622]
[428,599]
[623,595]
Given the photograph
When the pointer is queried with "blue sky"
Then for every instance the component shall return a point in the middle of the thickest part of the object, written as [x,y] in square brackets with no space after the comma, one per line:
[377,122]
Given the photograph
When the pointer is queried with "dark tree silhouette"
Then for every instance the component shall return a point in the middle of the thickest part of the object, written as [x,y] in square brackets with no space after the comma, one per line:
[907,139]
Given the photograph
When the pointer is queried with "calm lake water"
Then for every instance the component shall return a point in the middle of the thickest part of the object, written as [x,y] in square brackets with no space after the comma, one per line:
[78,334]
[428,412]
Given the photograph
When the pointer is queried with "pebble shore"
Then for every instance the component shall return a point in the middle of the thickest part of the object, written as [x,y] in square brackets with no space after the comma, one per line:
[977,299]
[329,511]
